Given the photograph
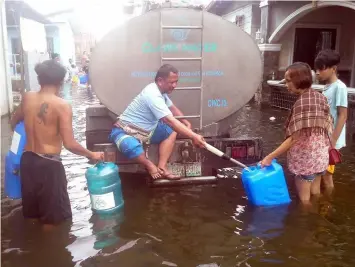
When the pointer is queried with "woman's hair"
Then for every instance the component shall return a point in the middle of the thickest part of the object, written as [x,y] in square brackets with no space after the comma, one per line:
[300,74]
[50,72]
[326,59]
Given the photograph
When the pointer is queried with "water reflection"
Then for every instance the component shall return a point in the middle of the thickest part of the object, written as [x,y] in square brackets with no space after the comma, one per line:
[104,234]
[265,222]
[105,228]
[29,245]
[190,226]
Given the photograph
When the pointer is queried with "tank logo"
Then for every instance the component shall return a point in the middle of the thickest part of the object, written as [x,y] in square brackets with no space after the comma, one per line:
[179,34]
[184,76]
[179,47]
[218,102]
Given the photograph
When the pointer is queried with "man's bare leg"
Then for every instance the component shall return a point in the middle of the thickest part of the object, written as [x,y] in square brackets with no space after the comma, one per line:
[152,169]
[165,150]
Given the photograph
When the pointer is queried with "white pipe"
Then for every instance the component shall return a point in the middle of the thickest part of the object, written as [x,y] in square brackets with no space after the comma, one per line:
[220,154]
[214,150]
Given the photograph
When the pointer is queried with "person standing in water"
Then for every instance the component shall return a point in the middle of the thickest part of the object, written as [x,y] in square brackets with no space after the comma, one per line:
[307,128]
[326,65]
[48,124]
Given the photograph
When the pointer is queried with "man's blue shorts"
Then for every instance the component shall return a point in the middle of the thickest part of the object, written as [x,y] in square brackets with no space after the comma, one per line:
[131,147]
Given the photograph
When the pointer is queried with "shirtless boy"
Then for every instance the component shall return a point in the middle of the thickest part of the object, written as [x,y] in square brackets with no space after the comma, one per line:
[48,124]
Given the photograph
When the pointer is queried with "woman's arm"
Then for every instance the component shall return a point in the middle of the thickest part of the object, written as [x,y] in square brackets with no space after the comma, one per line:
[284,147]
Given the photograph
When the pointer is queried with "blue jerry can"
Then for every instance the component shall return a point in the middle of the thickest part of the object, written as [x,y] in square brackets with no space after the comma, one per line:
[266,186]
[12,162]
[83,79]
[104,185]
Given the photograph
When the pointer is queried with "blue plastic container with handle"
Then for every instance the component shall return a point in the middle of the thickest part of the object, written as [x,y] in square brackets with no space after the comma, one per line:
[266,186]
[12,162]
[104,185]
[83,79]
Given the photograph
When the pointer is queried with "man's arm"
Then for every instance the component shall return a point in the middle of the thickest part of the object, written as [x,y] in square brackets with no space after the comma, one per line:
[161,111]
[17,116]
[341,102]
[342,117]
[66,132]
[180,128]
[177,112]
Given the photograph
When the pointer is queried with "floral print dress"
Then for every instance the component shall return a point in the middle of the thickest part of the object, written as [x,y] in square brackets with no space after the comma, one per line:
[309,155]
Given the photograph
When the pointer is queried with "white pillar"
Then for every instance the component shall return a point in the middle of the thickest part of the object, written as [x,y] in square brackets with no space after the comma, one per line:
[6,103]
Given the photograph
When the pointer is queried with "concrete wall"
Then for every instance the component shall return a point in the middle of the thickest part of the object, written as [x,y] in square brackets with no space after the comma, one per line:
[344,17]
[280,10]
[6,101]
[12,32]
[67,43]
[63,40]
[52,31]
[256,19]
[251,13]
[245,11]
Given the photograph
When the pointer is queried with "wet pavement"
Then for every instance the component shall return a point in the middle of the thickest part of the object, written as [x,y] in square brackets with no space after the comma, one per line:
[189,226]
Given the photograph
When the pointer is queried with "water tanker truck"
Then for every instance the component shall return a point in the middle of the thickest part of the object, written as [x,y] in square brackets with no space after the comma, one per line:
[220,69]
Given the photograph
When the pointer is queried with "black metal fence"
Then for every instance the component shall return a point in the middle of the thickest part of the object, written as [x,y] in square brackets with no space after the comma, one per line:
[281,98]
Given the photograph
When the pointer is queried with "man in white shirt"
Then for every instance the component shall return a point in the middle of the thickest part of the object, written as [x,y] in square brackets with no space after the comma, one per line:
[150,118]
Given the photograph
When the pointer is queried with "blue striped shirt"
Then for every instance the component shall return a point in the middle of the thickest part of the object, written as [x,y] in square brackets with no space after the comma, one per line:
[147,108]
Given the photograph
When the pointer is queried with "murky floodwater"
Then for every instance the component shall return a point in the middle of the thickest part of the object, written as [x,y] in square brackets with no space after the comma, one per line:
[190,226]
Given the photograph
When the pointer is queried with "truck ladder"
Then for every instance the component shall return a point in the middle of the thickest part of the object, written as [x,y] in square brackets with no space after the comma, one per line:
[200,59]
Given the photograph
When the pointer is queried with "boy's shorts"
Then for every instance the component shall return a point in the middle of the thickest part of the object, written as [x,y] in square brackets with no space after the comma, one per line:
[131,147]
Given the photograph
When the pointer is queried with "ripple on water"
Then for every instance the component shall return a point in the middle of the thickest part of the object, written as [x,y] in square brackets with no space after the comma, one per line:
[191,226]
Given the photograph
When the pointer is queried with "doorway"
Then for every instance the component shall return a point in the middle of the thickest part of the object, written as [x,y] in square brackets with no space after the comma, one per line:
[310,41]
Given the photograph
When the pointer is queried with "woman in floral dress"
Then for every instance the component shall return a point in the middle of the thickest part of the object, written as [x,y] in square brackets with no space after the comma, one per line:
[307,129]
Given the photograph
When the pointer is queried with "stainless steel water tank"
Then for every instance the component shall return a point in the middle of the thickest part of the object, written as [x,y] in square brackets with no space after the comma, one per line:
[126,60]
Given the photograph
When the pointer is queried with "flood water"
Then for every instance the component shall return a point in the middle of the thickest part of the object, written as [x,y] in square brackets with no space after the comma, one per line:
[190,226]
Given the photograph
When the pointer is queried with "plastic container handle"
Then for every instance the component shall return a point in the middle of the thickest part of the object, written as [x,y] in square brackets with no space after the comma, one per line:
[270,167]
[100,164]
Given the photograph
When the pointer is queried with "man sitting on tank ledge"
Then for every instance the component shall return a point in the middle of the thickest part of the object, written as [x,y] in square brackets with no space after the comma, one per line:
[149,118]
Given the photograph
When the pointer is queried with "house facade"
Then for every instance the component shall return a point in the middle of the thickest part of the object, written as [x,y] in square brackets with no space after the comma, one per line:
[57,38]
[6,101]
[290,31]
